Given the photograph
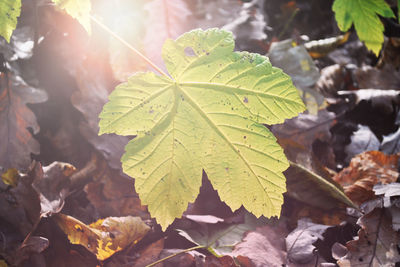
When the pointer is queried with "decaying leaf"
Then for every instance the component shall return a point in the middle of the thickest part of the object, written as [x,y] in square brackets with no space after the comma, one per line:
[52,183]
[371,77]
[105,236]
[361,140]
[366,170]
[113,194]
[207,117]
[376,244]
[15,118]
[264,246]
[10,177]
[149,254]
[168,19]
[221,238]
[94,83]
[388,190]
[295,61]
[325,194]
[299,243]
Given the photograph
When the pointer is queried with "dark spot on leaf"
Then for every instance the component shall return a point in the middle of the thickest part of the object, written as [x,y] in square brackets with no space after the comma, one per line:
[207,53]
[189,52]
[151,111]
[245,100]
[227,169]
[244,137]
[360,259]
[112,235]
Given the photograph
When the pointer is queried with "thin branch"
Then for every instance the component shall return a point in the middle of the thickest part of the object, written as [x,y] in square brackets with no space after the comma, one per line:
[119,38]
[173,255]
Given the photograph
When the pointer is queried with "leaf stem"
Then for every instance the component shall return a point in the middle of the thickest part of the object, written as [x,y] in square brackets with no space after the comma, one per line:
[173,255]
[137,52]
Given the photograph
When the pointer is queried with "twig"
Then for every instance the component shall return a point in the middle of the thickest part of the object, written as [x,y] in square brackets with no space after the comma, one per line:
[173,255]
[119,38]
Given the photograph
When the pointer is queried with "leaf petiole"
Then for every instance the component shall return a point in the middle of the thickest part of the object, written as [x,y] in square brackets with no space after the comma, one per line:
[137,52]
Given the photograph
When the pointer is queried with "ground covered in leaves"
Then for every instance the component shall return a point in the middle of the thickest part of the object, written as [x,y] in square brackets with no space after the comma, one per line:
[64,200]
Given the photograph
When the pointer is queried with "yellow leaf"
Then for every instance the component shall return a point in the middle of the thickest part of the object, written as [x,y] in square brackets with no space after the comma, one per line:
[104,237]
[10,177]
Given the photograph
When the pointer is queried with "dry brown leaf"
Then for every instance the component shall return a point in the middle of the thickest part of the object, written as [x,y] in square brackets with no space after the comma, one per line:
[52,184]
[104,237]
[15,118]
[149,254]
[376,244]
[264,247]
[94,82]
[366,170]
[112,194]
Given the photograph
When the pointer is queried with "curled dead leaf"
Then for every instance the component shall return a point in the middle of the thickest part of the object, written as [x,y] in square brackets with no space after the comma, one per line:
[104,237]
[366,170]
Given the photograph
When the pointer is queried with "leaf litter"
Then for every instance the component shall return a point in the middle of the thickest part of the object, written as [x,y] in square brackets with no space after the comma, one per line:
[75,80]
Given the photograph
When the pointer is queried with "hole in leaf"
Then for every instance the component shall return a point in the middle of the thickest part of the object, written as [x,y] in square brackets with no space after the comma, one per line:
[189,52]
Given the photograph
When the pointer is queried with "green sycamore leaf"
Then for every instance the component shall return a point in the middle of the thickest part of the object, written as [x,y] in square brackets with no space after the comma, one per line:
[364,15]
[398,10]
[209,116]
[9,13]
[78,9]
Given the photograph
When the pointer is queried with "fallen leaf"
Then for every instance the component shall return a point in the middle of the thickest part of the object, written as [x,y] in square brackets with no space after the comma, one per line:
[371,77]
[104,237]
[52,183]
[10,177]
[383,100]
[376,244]
[34,244]
[391,143]
[325,194]
[299,243]
[362,140]
[264,246]
[15,118]
[334,78]
[113,194]
[219,238]
[20,46]
[224,261]
[296,62]
[169,19]
[149,254]
[366,170]
[388,190]
[94,83]
[301,136]
[249,24]
[186,259]
[204,218]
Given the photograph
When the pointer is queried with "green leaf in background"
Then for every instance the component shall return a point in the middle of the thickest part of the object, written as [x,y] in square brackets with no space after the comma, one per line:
[209,116]
[9,13]
[78,9]
[364,15]
[398,10]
